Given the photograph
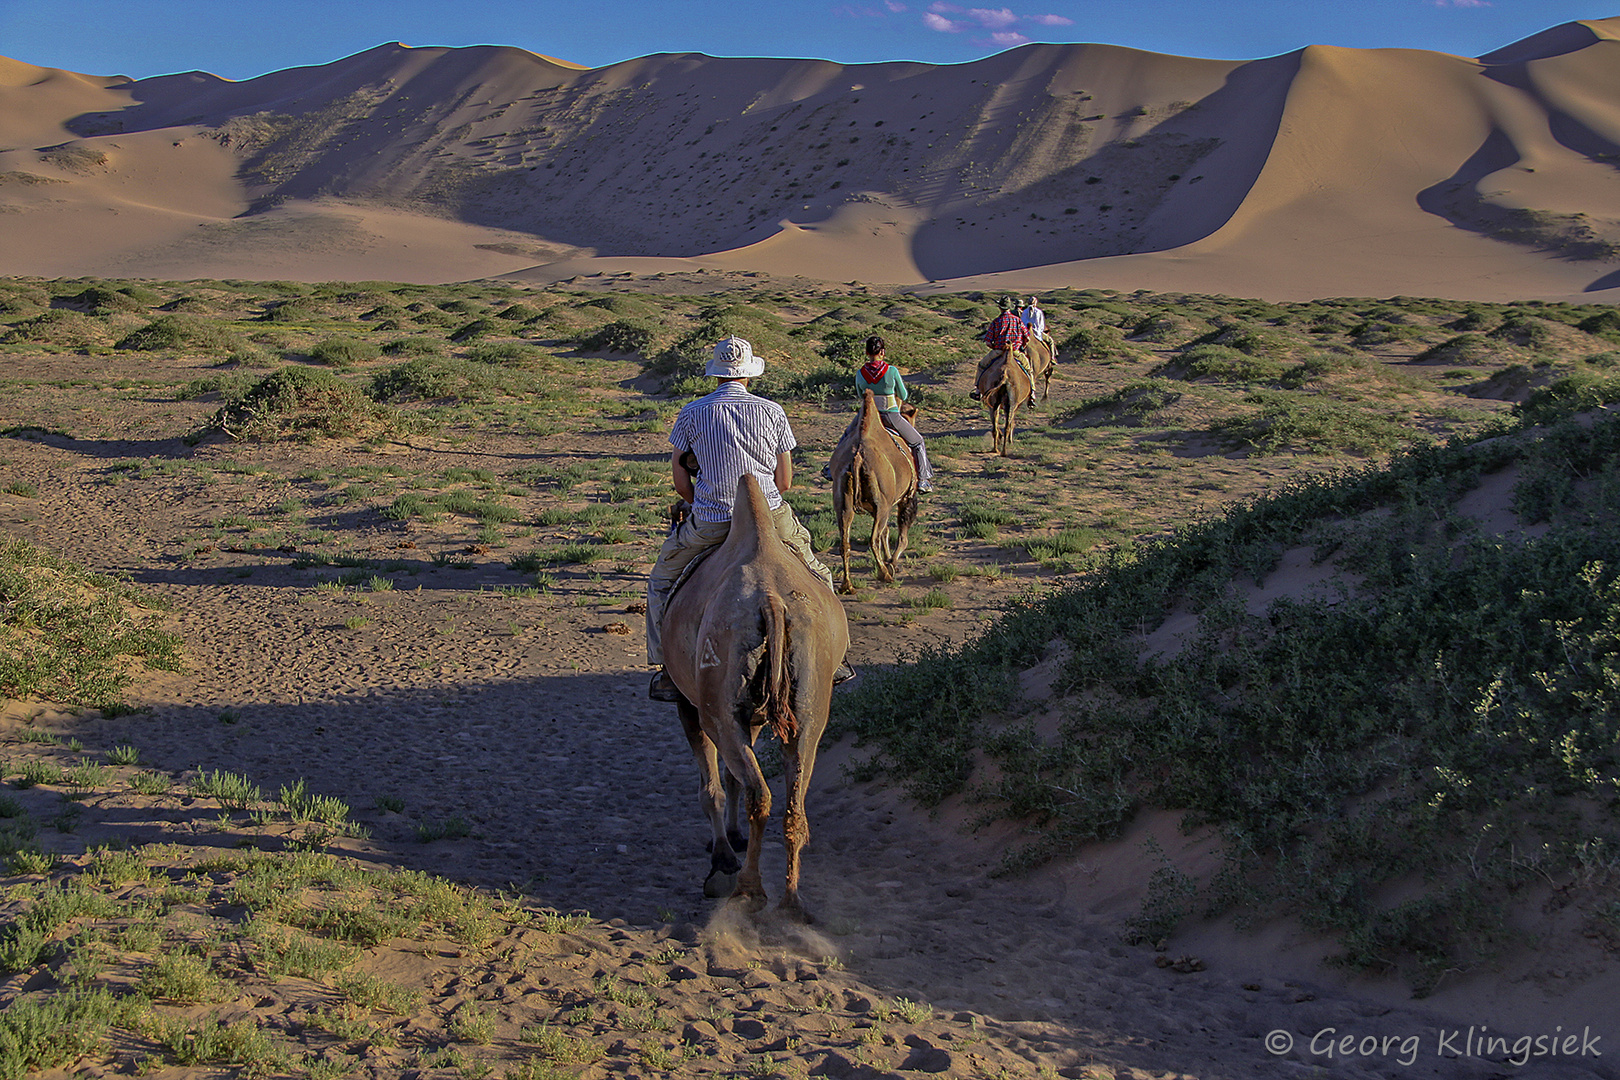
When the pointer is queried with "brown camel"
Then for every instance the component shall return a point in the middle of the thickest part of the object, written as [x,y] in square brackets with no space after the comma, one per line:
[1042,362]
[1003,387]
[753,637]
[873,473]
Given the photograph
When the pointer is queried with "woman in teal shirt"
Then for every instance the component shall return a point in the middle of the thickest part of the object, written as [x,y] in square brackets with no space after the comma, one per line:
[889,390]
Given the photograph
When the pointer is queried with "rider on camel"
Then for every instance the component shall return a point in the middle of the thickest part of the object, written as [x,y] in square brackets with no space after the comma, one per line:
[1006,336]
[888,391]
[729,432]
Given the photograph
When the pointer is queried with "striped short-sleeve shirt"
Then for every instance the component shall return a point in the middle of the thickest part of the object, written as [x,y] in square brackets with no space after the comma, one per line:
[732,432]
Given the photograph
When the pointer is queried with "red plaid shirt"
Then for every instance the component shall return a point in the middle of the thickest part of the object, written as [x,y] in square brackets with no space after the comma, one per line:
[1007,332]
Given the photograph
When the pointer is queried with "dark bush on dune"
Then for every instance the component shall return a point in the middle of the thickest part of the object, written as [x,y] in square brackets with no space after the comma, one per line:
[343,351]
[1462,349]
[618,337]
[291,311]
[1222,363]
[478,328]
[1525,330]
[304,402]
[1580,392]
[178,331]
[106,300]
[1606,323]
[57,327]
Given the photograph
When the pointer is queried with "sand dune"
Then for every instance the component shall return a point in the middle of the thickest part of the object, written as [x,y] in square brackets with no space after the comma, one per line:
[1326,171]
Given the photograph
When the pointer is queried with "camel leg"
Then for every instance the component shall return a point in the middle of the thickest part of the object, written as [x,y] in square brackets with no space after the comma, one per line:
[1007,434]
[908,516]
[798,761]
[846,519]
[734,834]
[712,785]
[880,539]
[756,795]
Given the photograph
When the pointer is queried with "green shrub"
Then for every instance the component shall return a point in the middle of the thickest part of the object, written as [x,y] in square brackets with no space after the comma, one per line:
[619,337]
[1605,323]
[429,378]
[1225,364]
[177,332]
[343,351]
[478,328]
[106,300]
[1092,343]
[506,354]
[1130,405]
[1282,421]
[301,401]
[414,346]
[1462,349]
[69,329]
[1524,330]
[292,311]
[1447,722]
[1580,392]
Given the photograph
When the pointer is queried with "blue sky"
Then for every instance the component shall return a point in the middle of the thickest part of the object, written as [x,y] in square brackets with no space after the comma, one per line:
[239,40]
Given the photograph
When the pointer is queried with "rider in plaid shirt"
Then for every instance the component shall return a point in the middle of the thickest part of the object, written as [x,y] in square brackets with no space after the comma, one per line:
[1006,335]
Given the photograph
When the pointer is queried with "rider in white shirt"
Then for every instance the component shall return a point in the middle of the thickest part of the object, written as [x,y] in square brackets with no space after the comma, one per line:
[1035,319]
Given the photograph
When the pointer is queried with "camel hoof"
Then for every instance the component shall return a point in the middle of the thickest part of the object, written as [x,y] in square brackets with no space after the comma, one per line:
[752,903]
[794,912]
[719,884]
[846,590]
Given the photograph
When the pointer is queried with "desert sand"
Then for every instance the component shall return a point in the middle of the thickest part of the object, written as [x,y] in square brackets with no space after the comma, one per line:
[1322,172]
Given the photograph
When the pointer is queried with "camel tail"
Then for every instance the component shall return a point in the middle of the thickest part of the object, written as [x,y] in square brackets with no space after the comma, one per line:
[852,478]
[779,679]
[985,390]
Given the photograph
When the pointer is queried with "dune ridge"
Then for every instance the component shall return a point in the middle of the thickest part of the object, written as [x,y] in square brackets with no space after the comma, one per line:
[1326,171]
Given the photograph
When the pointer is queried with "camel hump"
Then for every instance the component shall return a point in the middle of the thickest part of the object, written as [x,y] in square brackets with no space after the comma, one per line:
[750,518]
[870,420]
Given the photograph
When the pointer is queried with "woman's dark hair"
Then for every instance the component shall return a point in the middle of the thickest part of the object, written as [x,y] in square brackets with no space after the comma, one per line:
[875,345]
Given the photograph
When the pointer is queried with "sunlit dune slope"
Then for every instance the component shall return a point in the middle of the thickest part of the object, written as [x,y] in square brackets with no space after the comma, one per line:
[1320,172]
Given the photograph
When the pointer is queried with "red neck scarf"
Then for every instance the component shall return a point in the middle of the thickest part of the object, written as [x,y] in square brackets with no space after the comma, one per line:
[874,369]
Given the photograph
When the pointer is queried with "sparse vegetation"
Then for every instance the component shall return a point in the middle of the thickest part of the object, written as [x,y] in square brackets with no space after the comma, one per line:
[1119,502]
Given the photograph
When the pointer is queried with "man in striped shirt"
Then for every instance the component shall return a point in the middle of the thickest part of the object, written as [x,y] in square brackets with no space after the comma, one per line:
[730,432]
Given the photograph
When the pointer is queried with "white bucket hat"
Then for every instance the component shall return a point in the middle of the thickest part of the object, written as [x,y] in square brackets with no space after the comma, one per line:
[734,359]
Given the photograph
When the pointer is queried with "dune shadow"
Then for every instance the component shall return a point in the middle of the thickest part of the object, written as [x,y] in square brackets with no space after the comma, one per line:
[1607,281]
[1134,179]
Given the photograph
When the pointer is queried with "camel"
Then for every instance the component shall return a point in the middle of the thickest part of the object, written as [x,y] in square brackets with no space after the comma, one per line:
[1042,361]
[751,638]
[874,473]
[1003,387]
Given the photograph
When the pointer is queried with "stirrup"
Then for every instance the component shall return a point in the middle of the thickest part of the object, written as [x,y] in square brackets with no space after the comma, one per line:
[844,673]
[663,688]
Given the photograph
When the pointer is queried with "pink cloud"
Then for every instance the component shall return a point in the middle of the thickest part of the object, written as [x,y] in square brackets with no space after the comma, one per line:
[948,18]
[993,19]
[894,7]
